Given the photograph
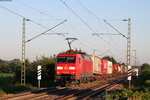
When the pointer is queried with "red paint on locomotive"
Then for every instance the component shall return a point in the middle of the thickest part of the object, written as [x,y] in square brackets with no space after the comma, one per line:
[77,66]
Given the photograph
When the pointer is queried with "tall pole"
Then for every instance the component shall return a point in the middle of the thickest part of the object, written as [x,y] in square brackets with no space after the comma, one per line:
[135,58]
[23,67]
[129,43]
[129,48]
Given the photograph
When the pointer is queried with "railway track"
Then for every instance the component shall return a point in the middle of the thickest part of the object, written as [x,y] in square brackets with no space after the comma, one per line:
[31,94]
[84,91]
[89,93]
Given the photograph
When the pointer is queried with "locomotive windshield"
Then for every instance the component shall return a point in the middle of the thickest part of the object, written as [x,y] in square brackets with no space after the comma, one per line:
[66,59]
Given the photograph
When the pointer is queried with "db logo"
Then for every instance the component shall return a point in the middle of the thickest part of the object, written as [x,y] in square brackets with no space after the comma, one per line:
[65,67]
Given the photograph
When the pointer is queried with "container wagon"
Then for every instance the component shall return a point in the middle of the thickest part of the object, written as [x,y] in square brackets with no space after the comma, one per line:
[115,69]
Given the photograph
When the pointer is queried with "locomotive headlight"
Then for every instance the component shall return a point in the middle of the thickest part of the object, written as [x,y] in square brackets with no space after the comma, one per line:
[58,72]
[59,67]
[72,67]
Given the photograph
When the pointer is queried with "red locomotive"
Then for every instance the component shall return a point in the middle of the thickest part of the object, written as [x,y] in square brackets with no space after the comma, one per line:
[73,68]
[77,68]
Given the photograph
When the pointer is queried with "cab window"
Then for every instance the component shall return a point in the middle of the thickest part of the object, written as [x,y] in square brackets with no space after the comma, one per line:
[66,59]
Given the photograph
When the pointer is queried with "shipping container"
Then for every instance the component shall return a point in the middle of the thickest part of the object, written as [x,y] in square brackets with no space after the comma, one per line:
[115,69]
[110,67]
[104,66]
[119,69]
[123,69]
[96,64]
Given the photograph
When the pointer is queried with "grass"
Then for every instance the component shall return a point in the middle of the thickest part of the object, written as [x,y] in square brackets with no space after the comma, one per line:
[1,92]
[7,84]
[6,79]
[6,75]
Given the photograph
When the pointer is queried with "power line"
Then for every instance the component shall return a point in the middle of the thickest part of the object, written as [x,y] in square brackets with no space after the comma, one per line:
[80,43]
[41,12]
[97,18]
[108,43]
[77,16]
[12,12]
[87,9]
[76,31]
[90,12]
[45,31]
[94,16]
[105,41]
[23,17]
[114,28]
[85,22]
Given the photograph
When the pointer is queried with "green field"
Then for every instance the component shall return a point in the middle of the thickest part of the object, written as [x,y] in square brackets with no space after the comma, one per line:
[6,75]
[8,85]
[6,79]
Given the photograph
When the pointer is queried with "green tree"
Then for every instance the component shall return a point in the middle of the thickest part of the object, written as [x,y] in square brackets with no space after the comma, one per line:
[48,71]
[144,74]
[4,67]
[145,66]
[15,65]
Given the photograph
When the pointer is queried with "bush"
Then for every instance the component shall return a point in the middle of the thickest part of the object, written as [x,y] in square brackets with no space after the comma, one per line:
[19,87]
[146,96]
[1,92]
[147,83]
[48,72]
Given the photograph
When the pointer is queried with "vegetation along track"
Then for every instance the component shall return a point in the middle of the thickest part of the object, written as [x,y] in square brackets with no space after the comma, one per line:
[84,91]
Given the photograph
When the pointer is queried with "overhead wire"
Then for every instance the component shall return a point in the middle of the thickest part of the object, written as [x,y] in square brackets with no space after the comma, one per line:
[48,15]
[98,20]
[87,9]
[85,22]
[13,12]
[41,12]
[78,16]
[81,43]
[36,9]
[24,17]
[76,31]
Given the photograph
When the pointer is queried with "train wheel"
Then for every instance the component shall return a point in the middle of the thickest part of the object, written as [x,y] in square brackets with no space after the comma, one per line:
[86,80]
[68,83]
[78,82]
[74,83]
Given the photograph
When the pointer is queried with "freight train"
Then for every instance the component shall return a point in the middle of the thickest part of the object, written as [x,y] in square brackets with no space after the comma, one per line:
[79,68]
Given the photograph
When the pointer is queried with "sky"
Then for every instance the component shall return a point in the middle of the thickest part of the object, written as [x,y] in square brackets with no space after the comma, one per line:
[84,18]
